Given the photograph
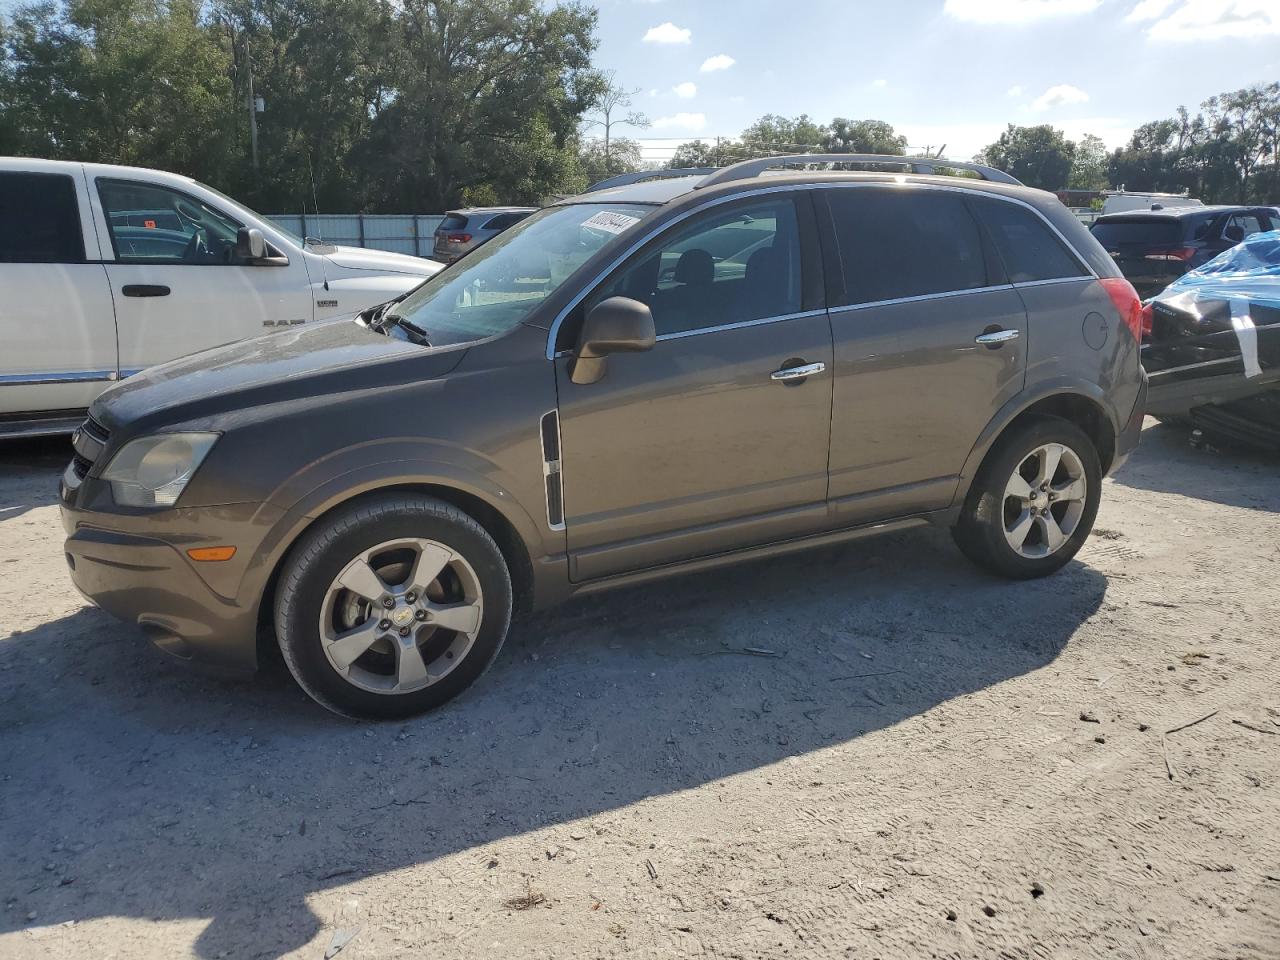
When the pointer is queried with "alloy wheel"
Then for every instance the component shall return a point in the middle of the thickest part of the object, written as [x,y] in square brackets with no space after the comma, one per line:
[401,616]
[1044,501]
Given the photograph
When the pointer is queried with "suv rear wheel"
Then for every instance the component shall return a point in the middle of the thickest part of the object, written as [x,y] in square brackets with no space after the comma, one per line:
[392,607]
[1033,502]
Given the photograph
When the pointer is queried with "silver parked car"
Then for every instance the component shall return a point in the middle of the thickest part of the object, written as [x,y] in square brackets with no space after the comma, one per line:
[464,230]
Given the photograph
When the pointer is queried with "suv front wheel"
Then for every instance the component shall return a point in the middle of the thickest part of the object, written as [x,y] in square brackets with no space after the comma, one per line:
[1033,502]
[392,607]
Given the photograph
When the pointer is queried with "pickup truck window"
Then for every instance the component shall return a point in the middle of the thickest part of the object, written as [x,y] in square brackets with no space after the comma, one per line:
[39,219]
[153,224]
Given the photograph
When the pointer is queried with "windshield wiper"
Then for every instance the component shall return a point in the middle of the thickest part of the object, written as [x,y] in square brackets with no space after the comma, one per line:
[415,332]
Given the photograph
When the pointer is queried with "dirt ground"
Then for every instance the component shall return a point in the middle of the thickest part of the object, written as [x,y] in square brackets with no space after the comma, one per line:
[912,775]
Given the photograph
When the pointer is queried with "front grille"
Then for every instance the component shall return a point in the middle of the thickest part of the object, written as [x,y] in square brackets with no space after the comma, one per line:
[88,442]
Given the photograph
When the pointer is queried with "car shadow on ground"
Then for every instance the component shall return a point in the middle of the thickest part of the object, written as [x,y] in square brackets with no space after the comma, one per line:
[144,789]
[1215,471]
[31,469]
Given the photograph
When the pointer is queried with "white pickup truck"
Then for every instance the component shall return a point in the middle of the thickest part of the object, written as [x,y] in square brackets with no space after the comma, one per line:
[105,270]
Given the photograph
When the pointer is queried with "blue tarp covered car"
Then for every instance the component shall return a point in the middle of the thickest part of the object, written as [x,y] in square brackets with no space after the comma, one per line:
[1213,345]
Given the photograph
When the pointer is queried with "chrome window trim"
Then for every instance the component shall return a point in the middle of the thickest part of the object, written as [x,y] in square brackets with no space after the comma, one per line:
[1194,366]
[920,297]
[31,379]
[1052,280]
[587,288]
[681,334]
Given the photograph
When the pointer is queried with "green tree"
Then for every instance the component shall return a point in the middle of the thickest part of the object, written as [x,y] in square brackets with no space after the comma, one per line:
[1039,156]
[623,157]
[694,153]
[1089,165]
[484,92]
[118,81]
[863,136]
[774,134]
[612,108]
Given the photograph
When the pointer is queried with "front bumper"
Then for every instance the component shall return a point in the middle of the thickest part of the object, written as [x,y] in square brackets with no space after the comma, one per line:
[135,567]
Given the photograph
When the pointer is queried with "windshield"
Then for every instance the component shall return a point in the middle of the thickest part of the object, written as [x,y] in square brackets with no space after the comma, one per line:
[494,288]
[1150,232]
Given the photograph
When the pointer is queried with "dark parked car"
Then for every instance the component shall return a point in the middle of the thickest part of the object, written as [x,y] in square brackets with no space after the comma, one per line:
[463,230]
[650,379]
[1155,247]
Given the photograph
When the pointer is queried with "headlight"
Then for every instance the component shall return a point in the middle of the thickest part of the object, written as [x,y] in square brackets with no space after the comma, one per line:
[153,471]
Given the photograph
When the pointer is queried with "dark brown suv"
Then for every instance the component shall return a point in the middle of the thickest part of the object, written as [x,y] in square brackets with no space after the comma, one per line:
[655,377]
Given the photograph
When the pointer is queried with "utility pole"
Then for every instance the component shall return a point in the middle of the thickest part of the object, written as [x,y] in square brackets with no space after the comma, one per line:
[253,108]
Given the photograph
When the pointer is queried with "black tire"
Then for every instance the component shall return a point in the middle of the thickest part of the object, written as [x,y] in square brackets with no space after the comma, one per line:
[979,532]
[323,552]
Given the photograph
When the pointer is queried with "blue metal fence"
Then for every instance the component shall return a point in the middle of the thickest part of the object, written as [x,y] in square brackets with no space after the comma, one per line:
[395,232]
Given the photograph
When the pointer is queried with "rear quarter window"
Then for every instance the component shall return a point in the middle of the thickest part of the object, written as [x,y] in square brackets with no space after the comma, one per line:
[39,219]
[1029,250]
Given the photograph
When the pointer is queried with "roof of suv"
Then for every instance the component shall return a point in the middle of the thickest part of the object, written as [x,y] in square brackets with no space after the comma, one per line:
[666,190]
[1172,213]
[481,211]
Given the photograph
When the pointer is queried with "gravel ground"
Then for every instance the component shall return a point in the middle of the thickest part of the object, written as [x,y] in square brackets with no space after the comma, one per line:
[934,764]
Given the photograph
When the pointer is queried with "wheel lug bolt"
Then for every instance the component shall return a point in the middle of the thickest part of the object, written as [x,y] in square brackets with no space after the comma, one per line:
[404,631]
[421,614]
[410,598]
[385,625]
[388,602]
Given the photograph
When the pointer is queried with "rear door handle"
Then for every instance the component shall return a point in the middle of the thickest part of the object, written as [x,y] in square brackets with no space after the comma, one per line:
[797,373]
[996,337]
[144,290]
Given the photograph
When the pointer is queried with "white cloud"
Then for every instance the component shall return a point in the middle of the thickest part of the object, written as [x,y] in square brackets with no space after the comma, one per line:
[668,33]
[1016,11]
[686,90]
[1186,20]
[1014,91]
[681,121]
[721,61]
[880,83]
[1058,96]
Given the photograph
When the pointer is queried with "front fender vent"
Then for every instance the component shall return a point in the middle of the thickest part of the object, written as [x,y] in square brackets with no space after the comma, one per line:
[551,470]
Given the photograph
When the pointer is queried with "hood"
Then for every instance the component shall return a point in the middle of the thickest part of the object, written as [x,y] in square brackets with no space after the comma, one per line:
[324,359]
[382,261]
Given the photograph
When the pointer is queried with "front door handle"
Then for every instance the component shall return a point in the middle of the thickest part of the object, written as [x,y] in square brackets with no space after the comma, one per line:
[144,290]
[797,373]
[995,337]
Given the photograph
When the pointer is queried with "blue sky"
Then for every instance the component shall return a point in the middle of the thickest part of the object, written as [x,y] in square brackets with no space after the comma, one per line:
[941,71]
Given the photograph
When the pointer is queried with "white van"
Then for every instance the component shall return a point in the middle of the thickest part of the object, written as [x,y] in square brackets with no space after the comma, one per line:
[105,270]
[1124,202]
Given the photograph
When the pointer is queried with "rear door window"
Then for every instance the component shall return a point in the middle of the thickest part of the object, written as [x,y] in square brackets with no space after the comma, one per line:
[1027,247]
[1248,223]
[39,219]
[896,243]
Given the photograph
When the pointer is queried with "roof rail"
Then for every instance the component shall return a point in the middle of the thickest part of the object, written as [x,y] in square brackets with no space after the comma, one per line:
[622,179]
[921,165]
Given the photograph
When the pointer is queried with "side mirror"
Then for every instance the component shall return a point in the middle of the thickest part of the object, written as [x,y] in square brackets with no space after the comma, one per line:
[251,246]
[616,325]
[1234,234]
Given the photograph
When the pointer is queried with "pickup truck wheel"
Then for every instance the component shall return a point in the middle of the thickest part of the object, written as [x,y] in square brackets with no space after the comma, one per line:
[1033,502]
[392,607]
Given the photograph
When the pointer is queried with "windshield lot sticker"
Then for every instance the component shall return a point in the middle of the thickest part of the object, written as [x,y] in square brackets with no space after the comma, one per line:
[614,223]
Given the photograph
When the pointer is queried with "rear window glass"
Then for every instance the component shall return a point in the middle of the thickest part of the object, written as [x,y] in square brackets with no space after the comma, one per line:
[39,219]
[1028,248]
[1117,234]
[897,243]
[453,221]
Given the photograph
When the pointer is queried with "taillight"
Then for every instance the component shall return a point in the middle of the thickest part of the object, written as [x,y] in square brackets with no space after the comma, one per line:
[1127,304]
[459,238]
[1147,321]
[1171,253]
